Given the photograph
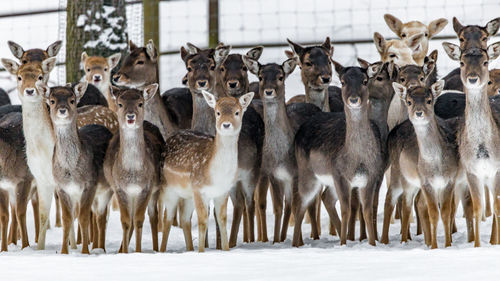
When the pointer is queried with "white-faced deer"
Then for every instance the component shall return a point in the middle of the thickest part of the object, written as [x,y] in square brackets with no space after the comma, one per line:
[132,164]
[398,51]
[479,134]
[38,132]
[423,155]
[15,180]
[98,73]
[77,164]
[199,167]
[344,153]
[405,31]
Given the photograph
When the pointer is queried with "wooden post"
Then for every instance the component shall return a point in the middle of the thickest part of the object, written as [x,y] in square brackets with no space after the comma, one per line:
[213,23]
[151,21]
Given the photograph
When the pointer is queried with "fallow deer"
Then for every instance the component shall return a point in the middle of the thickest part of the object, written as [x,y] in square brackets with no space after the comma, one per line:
[98,73]
[479,134]
[423,155]
[344,153]
[77,164]
[200,167]
[15,179]
[396,50]
[34,55]
[132,164]
[405,31]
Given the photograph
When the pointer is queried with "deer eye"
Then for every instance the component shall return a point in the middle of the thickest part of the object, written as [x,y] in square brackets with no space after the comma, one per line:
[342,83]
[140,104]
[485,63]
[365,81]
[218,113]
[245,68]
[52,102]
[392,55]
[120,105]
[237,113]
[260,78]
[105,69]
[189,69]
[212,67]
[379,78]
[402,79]
[489,82]
[222,69]
[19,78]
[429,101]
[462,64]
[308,64]
[421,78]
[72,101]
[461,39]
[40,77]
[25,61]
[484,38]
[140,62]
[426,34]
[408,103]
[88,69]
[280,78]
[403,35]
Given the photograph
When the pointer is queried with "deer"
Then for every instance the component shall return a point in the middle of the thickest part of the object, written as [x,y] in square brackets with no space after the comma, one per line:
[231,79]
[494,83]
[396,50]
[33,55]
[470,36]
[330,151]
[423,156]
[200,167]
[133,162]
[478,133]
[15,180]
[98,73]
[405,31]
[77,164]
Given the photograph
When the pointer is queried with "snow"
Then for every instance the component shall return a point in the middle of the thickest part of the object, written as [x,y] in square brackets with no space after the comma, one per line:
[81,20]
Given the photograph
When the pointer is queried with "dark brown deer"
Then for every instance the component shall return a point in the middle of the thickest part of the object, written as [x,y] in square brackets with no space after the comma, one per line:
[342,153]
[132,163]
[200,167]
[479,134]
[15,179]
[77,164]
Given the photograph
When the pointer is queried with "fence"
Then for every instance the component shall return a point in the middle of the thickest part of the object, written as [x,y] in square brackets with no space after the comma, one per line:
[246,23]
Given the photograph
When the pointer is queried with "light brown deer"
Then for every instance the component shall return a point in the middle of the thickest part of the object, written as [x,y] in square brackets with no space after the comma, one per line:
[479,133]
[34,55]
[405,31]
[200,167]
[98,73]
[397,51]
[77,164]
[132,163]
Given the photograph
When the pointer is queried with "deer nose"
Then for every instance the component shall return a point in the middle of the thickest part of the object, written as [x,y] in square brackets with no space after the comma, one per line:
[419,113]
[412,85]
[354,101]
[226,125]
[325,79]
[130,116]
[473,80]
[116,77]
[97,78]
[269,92]
[202,83]
[233,84]
[62,111]
[29,91]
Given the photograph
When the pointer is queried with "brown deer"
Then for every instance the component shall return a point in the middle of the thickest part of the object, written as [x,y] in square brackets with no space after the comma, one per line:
[98,73]
[132,163]
[397,51]
[199,167]
[34,55]
[77,164]
[405,31]
[423,155]
[494,83]
[479,134]
[15,180]
[340,152]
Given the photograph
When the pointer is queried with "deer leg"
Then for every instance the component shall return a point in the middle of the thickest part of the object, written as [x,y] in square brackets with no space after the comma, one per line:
[468,213]
[394,191]
[170,202]
[261,198]
[433,209]
[344,194]
[4,218]
[58,210]
[312,215]
[22,204]
[13,225]
[351,233]
[67,220]
[238,203]
[476,189]
[84,222]
[366,196]
[362,224]
[495,228]
[125,218]
[102,220]
[288,208]
[424,217]
[153,218]
[185,215]
[329,199]
[298,213]
[140,213]
[277,195]
[405,216]
[36,214]
[487,203]
[453,213]
[220,207]
[45,194]
[446,211]
[201,211]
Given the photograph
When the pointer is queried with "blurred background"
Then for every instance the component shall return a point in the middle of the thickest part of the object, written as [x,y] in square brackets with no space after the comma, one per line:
[104,27]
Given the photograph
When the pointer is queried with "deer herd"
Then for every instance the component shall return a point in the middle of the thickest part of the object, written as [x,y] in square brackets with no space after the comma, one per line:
[112,140]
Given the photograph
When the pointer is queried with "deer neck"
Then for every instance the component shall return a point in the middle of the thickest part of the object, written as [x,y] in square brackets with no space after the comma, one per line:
[479,121]
[203,115]
[225,155]
[430,140]
[379,111]
[358,130]
[278,130]
[104,89]
[68,145]
[318,97]
[132,148]
[37,128]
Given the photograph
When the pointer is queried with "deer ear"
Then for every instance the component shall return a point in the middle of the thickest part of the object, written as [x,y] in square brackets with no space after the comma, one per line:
[436,26]
[394,23]
[430,63]
[289,66]
[457,26]
[289,54]
[42,89]
[114,91]
[379,42]
[297,49]
[131,45]
[11,66]
[113,60]
[84,57]
[48,65]
[54,48]
[393,70]
[452,50]
[399,90]
[150,91]
[221,53]
[493,51]
[363,63]
[209,98]
[80,90]
[16,49]
[492,27]
[437,88]
[327,45]
[184,54]
[414,41]
[255,52]
[246,100]
[252,64]
[192,48]
[151,50]
[373,69]
[338,68]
